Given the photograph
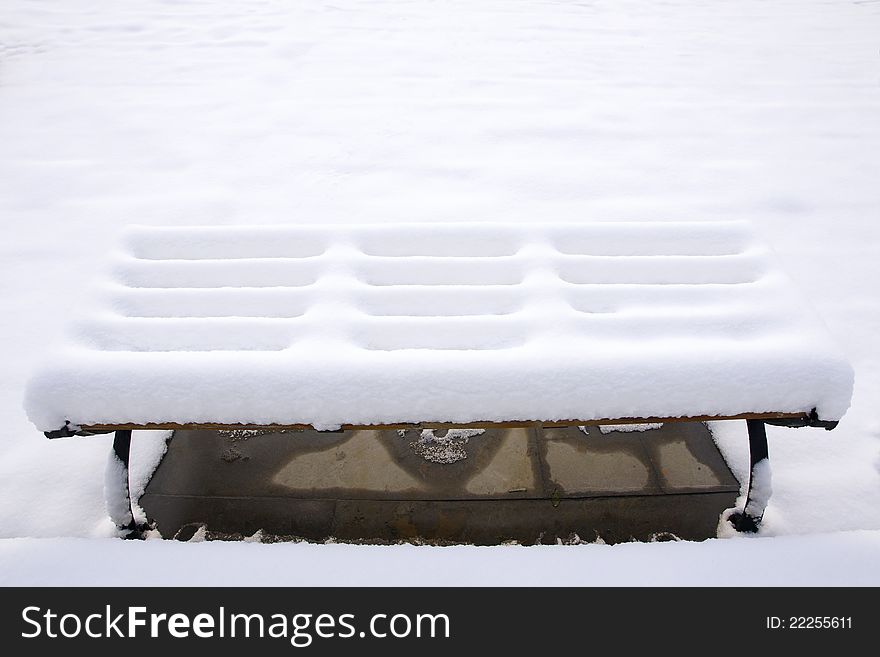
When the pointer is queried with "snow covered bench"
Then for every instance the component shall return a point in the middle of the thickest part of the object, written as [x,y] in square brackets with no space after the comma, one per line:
[443,324]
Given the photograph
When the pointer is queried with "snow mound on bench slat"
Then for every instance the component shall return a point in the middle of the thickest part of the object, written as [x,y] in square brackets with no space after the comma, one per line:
[331,325]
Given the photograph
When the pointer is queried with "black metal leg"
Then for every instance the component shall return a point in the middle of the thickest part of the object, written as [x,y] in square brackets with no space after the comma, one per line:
[117,491]
[749,519]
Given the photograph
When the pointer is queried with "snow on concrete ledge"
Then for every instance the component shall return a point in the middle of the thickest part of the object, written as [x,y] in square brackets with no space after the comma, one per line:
[332,325]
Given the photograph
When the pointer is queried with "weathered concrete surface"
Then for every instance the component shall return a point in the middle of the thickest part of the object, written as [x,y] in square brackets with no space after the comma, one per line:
[527,485]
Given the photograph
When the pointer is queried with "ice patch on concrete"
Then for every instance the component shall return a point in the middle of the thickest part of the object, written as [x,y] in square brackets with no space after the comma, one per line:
[350,464]
[581,471]
[511,469]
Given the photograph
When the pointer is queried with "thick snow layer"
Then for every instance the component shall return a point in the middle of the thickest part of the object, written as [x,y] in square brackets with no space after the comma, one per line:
[224,112]
[842,559]
[441,322]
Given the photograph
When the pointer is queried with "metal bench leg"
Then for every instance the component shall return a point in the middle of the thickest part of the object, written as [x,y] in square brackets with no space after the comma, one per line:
[117,493]
[760,488]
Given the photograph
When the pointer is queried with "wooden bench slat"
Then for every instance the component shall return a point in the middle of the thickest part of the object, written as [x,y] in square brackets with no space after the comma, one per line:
[174,426]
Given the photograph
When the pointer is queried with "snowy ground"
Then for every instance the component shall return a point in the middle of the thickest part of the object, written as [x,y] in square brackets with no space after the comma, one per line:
[842,559]
[270,112]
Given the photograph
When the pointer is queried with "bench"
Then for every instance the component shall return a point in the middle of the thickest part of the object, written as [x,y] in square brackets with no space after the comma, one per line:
[437,325]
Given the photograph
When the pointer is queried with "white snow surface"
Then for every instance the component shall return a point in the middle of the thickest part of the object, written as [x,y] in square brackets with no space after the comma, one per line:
[760,488]
[629,428]
[330,325]
[116,491]
[837,559]
[228,113]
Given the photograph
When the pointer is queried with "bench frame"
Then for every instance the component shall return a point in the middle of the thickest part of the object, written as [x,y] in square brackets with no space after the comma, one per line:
[747,520]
